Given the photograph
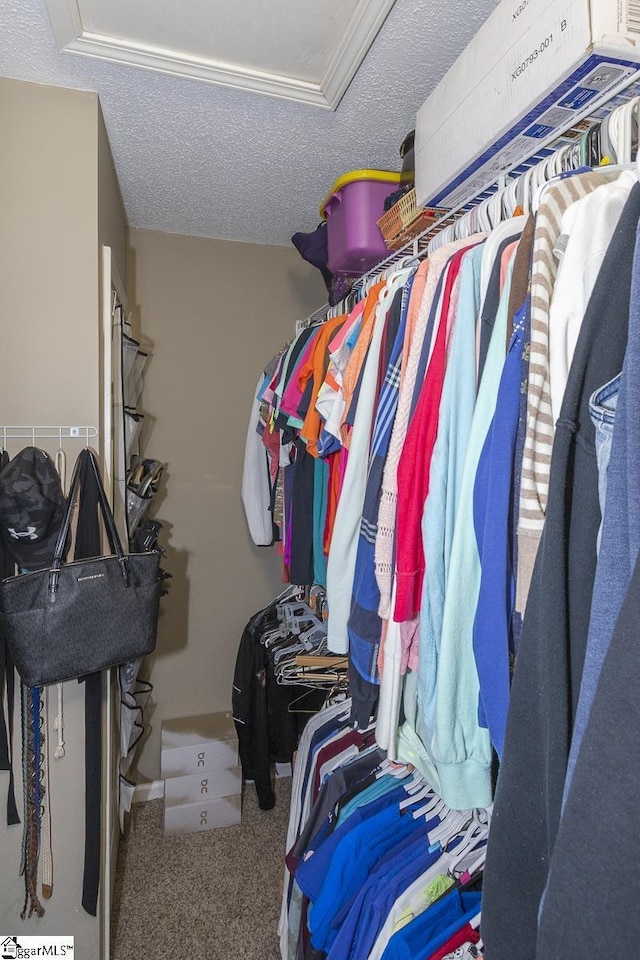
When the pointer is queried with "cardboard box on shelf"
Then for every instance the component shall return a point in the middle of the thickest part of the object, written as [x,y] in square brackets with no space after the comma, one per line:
[530,72]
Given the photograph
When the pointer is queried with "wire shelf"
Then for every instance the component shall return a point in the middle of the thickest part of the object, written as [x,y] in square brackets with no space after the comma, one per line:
[418,246]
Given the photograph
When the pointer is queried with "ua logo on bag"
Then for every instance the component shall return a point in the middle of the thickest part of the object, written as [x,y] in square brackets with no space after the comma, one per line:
[30,532]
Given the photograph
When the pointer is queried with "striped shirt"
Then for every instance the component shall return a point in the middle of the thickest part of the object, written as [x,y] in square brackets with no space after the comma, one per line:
[536,460]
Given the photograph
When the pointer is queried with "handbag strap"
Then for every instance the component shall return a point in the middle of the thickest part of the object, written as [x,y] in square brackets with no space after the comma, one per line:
[110,525]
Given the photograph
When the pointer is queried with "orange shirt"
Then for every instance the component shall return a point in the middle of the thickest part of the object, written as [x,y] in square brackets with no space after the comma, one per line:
[357,358]
[316,367]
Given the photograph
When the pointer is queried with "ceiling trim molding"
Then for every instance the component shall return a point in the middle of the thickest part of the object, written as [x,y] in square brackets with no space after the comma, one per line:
[72,37]
[354,46]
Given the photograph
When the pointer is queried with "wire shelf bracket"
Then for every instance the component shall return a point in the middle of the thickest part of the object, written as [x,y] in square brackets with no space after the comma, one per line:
[34,433]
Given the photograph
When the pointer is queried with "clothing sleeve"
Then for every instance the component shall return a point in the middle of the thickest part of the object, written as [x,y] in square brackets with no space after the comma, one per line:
[256,489]
[250,713]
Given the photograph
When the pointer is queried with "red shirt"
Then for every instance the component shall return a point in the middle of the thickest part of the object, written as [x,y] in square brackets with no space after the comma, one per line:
[465,935]
[415,463]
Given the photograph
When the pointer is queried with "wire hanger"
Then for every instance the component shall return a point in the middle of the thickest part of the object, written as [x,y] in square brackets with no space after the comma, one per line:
[299,700]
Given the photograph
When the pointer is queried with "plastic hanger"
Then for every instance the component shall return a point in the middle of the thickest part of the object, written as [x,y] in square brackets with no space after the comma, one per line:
[479,862]
[415,796]
[314,637]
[613,131]
[599,145]
[477,833]
[435,807]
[466,867]
[526,191]
[629,128]
[387,767]
[290,591]
[509,200]
[290,610]
[494,207]
[417,784]
[449,826]
[476,828]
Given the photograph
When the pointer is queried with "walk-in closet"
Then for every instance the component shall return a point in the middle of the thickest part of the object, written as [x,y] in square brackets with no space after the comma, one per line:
[319,506]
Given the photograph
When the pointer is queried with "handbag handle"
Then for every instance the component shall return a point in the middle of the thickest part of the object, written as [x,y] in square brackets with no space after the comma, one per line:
[110,525]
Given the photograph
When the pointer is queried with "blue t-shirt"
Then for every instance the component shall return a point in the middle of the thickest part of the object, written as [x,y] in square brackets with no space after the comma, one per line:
[394,873]
[313,870]
[430,930]
[351,864]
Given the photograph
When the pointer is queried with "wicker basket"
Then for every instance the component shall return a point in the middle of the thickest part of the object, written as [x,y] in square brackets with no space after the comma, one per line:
[405,220]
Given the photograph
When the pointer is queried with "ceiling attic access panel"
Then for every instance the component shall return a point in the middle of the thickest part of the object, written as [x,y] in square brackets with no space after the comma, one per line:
[298,50]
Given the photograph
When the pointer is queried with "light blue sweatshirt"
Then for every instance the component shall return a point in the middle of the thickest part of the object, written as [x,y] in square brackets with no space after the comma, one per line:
[453,752]
[445,479]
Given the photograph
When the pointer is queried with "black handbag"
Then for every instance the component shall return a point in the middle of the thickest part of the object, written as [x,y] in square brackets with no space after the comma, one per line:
[77,618]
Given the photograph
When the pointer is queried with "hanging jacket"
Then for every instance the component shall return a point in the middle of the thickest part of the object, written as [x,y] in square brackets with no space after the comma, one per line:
[250,705]
[268,729]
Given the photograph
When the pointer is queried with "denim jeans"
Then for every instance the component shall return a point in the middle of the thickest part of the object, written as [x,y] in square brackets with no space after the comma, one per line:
[602,409]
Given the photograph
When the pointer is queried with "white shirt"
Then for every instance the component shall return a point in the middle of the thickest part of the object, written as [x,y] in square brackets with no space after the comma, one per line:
[344,543]
[586,231]
[256,488]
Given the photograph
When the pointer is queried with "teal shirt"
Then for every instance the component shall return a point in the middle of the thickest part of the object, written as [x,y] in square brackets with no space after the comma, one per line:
[455,756]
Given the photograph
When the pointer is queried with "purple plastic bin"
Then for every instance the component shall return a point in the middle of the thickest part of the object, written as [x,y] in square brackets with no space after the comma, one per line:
[352,212]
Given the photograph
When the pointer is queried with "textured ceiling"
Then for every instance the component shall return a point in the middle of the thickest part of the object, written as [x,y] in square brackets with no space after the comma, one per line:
[201,159]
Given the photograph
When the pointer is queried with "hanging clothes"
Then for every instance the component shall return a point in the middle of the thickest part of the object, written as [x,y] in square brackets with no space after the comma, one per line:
[344,543]
[540,425]
[360,840]
[552,649]
[442,392]
[607,683]
[364,623]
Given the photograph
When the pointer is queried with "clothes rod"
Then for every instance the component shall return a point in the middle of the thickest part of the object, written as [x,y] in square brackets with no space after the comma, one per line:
[626,91]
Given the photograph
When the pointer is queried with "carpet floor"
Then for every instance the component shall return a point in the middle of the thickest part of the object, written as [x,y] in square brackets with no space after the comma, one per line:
[207,896]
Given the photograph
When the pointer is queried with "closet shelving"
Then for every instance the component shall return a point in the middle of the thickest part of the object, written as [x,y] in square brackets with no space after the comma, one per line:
[124,362]
[629,89]
[60,434]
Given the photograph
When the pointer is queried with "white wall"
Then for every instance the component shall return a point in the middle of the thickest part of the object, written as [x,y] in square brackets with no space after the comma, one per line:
[50,358]
[215,313]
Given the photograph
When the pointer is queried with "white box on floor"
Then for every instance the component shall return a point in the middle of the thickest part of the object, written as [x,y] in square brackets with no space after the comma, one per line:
[208,785]
[209,814]
[198,744]
[529,71]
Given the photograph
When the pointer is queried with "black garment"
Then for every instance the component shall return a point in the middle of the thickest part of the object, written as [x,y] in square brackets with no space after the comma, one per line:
[428,337]
[593,891]
[301,342]
[551,654]
[314,247]
[305,400]
[250,708]
[344,778]
[268,730]
[7,683]
[301,570]
[490,304]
